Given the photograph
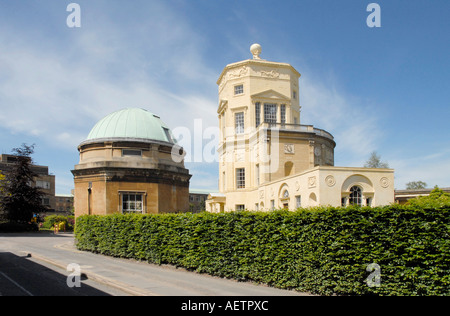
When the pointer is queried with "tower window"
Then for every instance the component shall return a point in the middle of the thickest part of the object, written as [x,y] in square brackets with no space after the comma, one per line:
[283,113]
[270,113]
[257,114]
[239,122]
[239,89]
[240,178]
[257,174]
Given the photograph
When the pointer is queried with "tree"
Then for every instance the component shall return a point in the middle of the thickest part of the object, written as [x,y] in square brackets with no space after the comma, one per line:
[437,198]
[21,199]
[415,185]
[374,161]
[2,184]
[2,193]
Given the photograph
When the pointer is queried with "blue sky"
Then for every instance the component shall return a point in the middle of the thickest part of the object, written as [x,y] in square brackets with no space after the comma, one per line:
[385,89]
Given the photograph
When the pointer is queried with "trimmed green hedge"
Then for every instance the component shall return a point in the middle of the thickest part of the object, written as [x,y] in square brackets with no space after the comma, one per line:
[323,250]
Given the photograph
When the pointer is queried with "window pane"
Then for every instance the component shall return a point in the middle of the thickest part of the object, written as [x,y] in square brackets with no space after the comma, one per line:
[355,197]
[239,117]
[283,113]
[299,200]
[257,113]
[132,202]
[240,178]
[131,152]
[270,113]
[239,89]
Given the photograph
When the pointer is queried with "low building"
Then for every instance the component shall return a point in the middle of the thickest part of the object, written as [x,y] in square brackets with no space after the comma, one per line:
[64,203]
[44,180]
[403,196]
[197,199]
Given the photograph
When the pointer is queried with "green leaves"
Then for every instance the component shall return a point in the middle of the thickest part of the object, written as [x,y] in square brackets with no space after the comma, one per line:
[321,250]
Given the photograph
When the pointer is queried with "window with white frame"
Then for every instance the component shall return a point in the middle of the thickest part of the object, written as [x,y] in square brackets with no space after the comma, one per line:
[43,184]
[298,200]
[355,197]
[270,113]
[257,174]
[257,114]
[240,178]
[240,207]
[239,89]
[239,122]
[283,113]
[132,203]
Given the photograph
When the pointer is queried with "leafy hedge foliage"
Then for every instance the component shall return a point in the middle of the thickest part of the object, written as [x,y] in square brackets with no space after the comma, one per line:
[51,220]
[323,250]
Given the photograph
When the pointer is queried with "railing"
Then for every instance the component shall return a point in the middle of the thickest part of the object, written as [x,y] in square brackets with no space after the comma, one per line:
[296,127]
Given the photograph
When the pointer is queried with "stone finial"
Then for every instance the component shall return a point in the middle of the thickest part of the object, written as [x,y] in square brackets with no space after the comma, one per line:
[255,49]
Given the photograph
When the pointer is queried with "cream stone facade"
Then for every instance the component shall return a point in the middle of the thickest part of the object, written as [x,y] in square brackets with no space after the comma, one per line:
[268,160]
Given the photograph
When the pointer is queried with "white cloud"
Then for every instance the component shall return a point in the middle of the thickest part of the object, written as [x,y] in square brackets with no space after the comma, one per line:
[353,124]
[59,95]
[432,169]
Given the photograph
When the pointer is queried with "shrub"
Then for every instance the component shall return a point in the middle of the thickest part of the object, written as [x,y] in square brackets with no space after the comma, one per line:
[51,220]
[323,250]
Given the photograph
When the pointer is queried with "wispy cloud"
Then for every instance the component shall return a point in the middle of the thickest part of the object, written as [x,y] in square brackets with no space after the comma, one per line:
[353,122]
[432,169]
[59,94]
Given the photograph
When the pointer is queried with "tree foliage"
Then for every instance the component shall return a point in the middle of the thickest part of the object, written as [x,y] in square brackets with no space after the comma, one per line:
[2,184]
[374,161]
[416,185]
[21,199]
[437,198]
[322,250]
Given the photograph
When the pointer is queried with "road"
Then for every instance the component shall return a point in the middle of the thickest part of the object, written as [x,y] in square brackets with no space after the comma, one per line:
[35,264]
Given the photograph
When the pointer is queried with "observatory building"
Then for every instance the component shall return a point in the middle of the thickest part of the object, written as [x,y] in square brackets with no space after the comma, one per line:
[268,160]
[130,163]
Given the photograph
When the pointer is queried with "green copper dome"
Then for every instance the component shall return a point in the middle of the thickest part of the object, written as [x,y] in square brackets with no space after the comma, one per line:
[131,123]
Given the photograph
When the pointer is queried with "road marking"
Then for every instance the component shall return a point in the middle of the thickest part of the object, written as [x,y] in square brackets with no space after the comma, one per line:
[16,284]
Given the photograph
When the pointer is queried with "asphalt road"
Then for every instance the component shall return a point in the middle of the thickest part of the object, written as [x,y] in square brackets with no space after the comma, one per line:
[23,276]
[35,264]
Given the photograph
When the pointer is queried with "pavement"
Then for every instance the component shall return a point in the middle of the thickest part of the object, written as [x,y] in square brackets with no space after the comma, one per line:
[129,277]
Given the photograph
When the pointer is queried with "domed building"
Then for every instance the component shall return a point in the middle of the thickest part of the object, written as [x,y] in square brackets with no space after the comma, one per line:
[130,163]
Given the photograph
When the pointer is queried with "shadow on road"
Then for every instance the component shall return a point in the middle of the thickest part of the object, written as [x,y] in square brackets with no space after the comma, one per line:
[19,276]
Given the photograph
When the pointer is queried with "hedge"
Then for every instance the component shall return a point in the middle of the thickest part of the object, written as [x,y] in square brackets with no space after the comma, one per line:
[323,251]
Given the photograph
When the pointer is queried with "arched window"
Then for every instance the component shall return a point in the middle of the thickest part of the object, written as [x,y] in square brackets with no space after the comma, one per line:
[355,197]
